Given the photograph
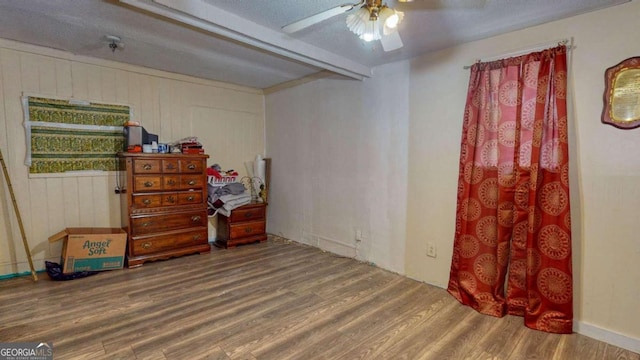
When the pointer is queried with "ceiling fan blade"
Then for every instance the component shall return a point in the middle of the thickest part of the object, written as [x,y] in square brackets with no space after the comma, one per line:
[314,19]
[391,41]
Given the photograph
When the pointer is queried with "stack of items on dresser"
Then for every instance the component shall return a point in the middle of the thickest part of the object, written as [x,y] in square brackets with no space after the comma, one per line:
[225,194]
[188,145]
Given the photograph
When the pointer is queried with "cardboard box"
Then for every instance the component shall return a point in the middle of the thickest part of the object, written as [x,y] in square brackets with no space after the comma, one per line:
[91,249]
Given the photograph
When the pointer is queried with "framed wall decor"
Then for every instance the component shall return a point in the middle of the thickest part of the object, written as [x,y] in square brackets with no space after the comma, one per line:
[622,94]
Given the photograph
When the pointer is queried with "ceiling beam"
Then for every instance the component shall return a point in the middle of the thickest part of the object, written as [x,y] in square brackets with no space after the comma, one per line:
[205,16]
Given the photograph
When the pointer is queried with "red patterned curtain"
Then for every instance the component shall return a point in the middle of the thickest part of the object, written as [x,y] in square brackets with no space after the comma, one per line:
[512,247]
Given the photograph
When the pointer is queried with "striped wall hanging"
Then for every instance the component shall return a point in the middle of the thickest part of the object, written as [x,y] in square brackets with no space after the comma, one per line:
[69,135]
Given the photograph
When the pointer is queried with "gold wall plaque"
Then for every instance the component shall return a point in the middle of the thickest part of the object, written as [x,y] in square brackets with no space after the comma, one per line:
[622,94]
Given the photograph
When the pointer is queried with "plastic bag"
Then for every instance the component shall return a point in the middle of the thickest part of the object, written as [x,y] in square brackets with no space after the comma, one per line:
[54,270]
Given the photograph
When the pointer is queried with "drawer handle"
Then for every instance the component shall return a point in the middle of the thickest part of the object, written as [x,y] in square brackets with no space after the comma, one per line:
[148,223]
[147,166]
[148,184]
[171,182]
[146,245]
[191,167]
[171,199]
[248,214]
[248,230]
[195,218]
[146,202]
[190,198]
[191,182]
[171,167]
[196,237]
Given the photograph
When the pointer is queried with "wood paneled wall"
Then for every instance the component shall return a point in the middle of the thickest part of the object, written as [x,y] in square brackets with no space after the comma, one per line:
[227,119]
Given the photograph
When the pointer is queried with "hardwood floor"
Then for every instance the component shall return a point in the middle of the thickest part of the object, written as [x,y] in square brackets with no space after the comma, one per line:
[275,300]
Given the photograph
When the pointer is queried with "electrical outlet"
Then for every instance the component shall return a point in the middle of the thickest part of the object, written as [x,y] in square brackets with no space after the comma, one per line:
[431,249]
[358,235]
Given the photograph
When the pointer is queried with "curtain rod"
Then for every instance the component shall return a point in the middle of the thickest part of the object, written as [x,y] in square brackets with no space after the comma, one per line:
[524,51]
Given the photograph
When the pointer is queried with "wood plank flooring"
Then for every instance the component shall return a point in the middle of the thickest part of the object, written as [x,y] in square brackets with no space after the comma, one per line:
[274,300]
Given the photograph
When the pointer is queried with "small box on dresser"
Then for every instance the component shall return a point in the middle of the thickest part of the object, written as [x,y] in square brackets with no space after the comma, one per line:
[163,205]
[246,224]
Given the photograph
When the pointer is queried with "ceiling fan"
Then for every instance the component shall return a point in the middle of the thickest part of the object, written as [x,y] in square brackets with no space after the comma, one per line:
[372,21]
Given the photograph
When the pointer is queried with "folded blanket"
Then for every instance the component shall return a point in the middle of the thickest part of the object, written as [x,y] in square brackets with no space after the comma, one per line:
[225,203]
[234,188]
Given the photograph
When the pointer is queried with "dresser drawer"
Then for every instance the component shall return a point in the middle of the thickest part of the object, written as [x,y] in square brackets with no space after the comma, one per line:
[170,166]
[245,229]
[156,244]
[144,183]
[191,182]
[142,201]
[190,197]
[146,166]
[160,223]
[170,199]
[171,182]
[247,213]
[191,166]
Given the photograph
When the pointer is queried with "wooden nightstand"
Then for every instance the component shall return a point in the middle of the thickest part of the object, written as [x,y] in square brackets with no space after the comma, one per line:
[246,224]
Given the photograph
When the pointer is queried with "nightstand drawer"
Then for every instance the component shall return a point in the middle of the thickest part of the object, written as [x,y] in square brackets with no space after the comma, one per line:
[159,223]
[245,229]
[156,244]
[247,213]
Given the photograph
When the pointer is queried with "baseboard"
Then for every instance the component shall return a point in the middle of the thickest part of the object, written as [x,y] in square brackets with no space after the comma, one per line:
[607,336]
[15,275]
[336,247]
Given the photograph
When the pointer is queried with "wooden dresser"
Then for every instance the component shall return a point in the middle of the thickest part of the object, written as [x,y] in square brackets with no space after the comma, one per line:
[246,224]
[163,205]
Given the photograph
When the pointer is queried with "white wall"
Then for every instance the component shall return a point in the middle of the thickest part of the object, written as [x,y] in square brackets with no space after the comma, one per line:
[605,166]
[340,154]
[339,150]
[228,120]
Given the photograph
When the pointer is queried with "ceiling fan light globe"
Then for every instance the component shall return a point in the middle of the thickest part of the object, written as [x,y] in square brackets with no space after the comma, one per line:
[357,29]
[362,14]
[398,17]
[370,36]
[385,14]
[356,22]
[392,21]
[371,31]
[391,24]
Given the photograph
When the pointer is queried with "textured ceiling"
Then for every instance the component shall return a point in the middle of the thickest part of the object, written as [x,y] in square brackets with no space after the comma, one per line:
[192,36]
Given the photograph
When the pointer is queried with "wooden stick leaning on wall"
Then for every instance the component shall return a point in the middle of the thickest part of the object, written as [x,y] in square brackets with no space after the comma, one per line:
[267,177]
[15,208]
